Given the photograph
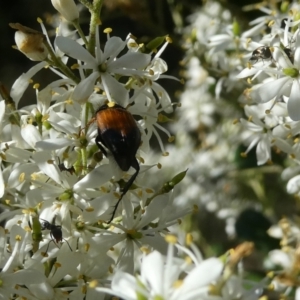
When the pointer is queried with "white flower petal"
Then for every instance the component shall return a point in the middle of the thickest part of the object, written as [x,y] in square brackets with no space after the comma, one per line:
[131,60]
[2,113]
[26,169]
[206,273]
[112,48]
[125,285]
[85,88]
[152,271]
[163,96]
[36,282]
[53,144]
[114,90]
[95,178]
[2,187]
[293,104]
[21,84]
[75,50]
[297,52]
[41,158]
[293,185]
[281,258]
[31,135]
[247,72]
[265,92]
[263,151]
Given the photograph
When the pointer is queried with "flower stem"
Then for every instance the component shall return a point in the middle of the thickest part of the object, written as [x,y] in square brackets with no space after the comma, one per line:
[80,32]
[57,62]
[95,21]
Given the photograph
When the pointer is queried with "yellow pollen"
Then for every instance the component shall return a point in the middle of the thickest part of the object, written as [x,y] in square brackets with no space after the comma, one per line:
[145,249]
[83,289]
[87,247]
[171,239]
[243,154]
[40,20]
[171,139]
[292,155]
[93,284]
[178,283]
[133,45]
[107,30]
[18,238]
[271,23]
[165,154]
[27,229]
[188,260]
[69,101]
[111,104]
[189,239]
[169,40]
[89,209]
[34,176]
[22,177]
[75,66]
[36,86]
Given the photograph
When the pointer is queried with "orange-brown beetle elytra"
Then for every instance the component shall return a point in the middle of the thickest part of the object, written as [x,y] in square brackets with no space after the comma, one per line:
[119,133]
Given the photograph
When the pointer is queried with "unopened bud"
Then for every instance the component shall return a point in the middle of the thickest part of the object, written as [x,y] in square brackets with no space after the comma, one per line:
[67,8]
[30,42]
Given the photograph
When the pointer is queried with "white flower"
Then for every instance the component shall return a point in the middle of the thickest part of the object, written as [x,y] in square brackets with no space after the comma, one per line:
[161,278]
[67,8]
[105,66]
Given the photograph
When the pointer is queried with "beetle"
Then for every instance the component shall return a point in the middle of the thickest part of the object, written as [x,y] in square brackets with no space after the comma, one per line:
[262,52]
[55,233]
[119,134]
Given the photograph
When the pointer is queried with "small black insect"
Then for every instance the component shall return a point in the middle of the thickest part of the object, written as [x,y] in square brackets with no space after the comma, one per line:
[62,167]
[289,53]
[263,52]
[119,133]
[55,233]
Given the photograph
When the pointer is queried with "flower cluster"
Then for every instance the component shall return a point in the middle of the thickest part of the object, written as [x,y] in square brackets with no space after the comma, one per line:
[64,169]
[58,190]
[239,121]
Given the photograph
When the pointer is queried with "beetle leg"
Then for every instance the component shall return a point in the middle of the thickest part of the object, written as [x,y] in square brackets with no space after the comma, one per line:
[136,166]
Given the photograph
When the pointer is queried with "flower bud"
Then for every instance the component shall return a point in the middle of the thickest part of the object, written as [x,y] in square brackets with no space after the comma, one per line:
[30,42]
[67,8]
